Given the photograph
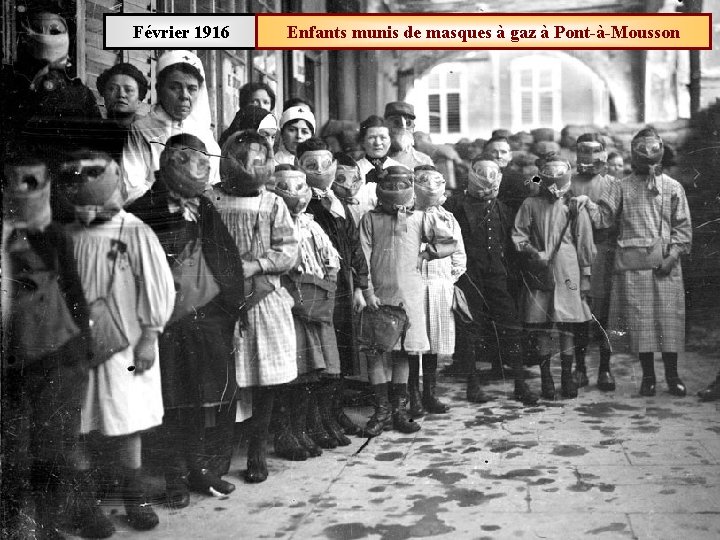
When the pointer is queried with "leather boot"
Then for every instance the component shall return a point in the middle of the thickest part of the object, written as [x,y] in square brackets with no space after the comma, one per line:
[712,392]
[416,406]
[263,398]
[202,480]
[547,385]
[300,402]
[287,445]
[324,397]
[429,400]
[140,514]
[257,470]
[381,420]
[474,393]
[86,515]
[315,426]
[400,420]
[338,392]
[569,388]
[523,394]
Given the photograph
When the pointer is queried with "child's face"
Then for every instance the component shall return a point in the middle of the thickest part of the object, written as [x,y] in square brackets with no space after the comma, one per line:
[616,166]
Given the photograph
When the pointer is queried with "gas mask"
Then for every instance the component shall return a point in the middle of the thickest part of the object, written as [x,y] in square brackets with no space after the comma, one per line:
[591,157]
[555,177]
[244,167]
[292,187]
[347,181]
[429,189]
[646,154]
[91,183]
[185,171]
[47,39]
[484,179]
[319,168]
[26,198]
[395,188]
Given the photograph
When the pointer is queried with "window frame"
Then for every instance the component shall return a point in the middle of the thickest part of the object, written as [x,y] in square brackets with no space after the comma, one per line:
[536,64]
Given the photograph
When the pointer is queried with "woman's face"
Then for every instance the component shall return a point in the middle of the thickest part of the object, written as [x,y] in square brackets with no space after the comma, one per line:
[616,166]
[376,142]
[121,94]
[293,133]
[178,94]
[260,98]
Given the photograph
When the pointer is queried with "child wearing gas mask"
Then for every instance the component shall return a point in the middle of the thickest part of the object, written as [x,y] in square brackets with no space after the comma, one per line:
[122,263]
[486,225]
[264,232]
[43,376]
[647,302]
[546,232]
[439,277]
[591,180]
[307,423]
[391,237]
[328,175]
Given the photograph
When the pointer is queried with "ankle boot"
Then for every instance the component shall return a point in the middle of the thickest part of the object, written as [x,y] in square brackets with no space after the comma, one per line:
[315,427]
[205,481]
[568,385]
[86,515]
[140,514]
[256,460]
[416,407]
[429,399]
[547,385]
[287,445]
[474,393]
[580,375]
[338,392]
[400,420]
[326,414]
[300,401]
[523,394]
[381,420]
[712,392]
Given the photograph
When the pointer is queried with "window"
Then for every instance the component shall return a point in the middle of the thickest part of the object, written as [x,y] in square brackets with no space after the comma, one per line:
[535,89]
[444,101]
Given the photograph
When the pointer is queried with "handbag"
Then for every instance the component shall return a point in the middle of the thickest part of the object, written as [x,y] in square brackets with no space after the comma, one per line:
[460,306]
[194,281]
[40,321]
[379,330]
[537,274]
[106,333]
[642,258]
[314,297]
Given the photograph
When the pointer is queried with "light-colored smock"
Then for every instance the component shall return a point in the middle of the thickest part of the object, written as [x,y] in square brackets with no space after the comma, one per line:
[539,223]
[119,401]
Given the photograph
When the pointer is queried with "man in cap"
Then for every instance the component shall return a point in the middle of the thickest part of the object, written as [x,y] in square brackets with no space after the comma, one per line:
[400,118]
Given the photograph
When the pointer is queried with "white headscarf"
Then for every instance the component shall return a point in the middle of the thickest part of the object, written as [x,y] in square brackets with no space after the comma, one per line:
[200,113]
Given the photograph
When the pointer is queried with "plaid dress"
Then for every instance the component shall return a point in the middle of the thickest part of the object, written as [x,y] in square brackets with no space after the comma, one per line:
[439,277]
[265,351]
[647,311]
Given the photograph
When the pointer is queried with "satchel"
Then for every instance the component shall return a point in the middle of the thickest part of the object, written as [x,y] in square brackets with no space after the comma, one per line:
[107,336]
[537,274]
[379,330]
[314,298]
[460,306]
[642,258]
[194,281]
[639,258]
[40,323]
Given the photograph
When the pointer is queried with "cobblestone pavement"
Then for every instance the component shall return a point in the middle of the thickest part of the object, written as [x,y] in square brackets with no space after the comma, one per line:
[601,466]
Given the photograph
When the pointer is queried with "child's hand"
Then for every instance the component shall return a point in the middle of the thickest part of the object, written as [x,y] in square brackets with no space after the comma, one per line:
[666,267]
[358,301]
[373,302]
[577,204]
[584,286]
[250,268]
[424,256]
[144,351]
